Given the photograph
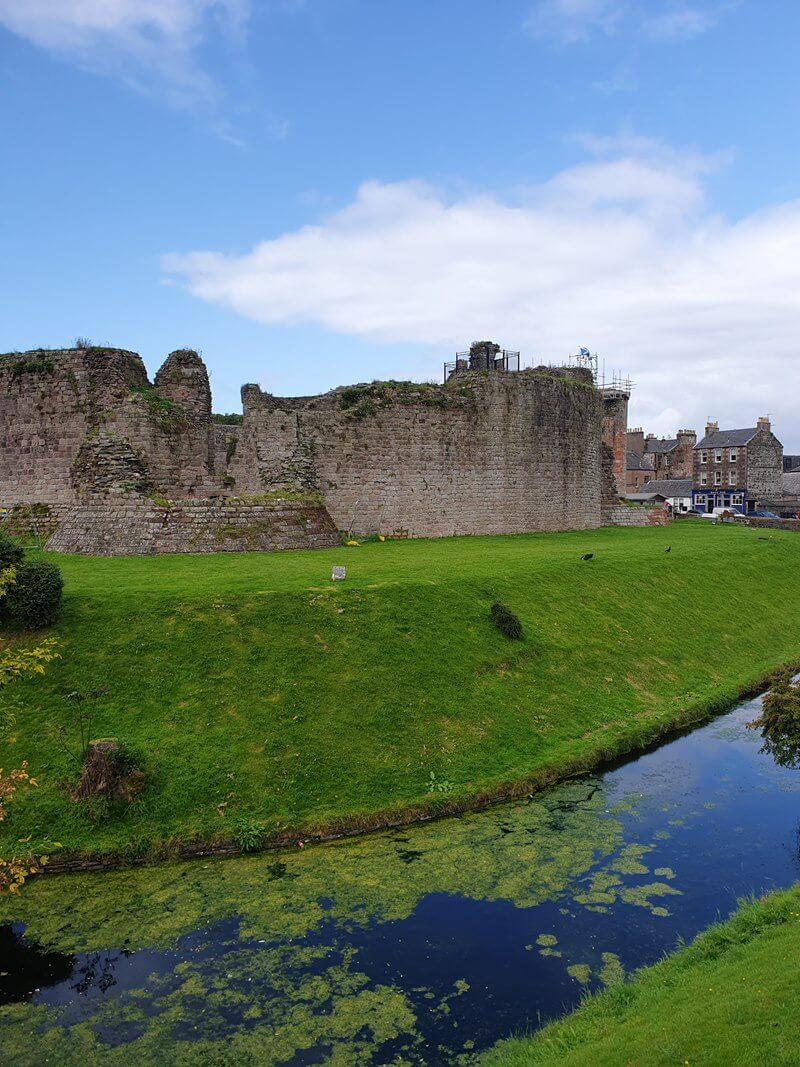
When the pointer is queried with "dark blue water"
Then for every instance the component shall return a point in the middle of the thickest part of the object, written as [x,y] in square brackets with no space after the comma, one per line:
[492,923]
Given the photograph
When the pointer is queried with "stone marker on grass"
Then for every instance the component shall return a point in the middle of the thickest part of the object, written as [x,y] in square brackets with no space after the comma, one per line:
[338,574]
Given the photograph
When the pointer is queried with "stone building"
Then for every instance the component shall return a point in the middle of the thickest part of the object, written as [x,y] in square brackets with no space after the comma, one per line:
[668,457]
[740,469]
[115,463]
[675,492]
[639,470]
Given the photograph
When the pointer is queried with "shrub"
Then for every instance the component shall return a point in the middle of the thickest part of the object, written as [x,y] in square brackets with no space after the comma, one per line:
[34,600]
[780,721]
[506,621]
[249,833]
[10,552]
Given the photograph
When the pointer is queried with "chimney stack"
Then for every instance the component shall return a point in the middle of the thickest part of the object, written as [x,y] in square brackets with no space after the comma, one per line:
[635,440]
[764,424]
[687,437]
[711,427]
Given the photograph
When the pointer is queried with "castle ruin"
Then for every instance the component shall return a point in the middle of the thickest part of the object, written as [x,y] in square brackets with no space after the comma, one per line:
[103,461]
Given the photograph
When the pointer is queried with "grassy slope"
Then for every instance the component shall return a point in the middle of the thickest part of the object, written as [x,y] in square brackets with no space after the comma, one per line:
[731,997]
[255,683]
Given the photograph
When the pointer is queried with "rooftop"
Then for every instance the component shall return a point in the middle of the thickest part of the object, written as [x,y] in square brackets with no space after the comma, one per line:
[637,462]
[667,487]
[662,444]
[726,438]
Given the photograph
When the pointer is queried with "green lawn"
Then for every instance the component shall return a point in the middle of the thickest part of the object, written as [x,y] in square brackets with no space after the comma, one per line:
[732,997]
[259,689]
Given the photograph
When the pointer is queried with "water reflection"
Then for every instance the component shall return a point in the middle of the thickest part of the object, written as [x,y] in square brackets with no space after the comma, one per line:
[427,944]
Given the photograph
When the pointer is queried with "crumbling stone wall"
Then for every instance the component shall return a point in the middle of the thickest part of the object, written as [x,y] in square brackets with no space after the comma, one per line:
[489,452]
[485,453]
[49,402]
[52,402]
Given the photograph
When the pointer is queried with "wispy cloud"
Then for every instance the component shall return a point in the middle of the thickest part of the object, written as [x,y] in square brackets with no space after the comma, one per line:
[680,24]
[623,252]
[569,21]
[151,44]
[573,21]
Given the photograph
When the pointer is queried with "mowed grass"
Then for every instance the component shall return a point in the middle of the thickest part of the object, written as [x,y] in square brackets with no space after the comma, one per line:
[259,689]
[731,997]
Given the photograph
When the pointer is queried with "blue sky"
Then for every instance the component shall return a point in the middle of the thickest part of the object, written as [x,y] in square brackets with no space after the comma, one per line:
[315,192]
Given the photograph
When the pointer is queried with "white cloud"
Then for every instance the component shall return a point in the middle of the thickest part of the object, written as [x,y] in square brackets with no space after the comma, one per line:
[573,21]
[622,254]
[149,43]
[568,21]
[680,24]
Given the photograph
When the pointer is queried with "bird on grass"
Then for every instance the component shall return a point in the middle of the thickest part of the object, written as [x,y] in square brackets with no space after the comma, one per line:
[589,555]
[668,548]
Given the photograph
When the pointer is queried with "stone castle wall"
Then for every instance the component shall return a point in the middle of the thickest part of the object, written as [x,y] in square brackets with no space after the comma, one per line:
[488,452]
[64,413]
[49,402]
[485,453]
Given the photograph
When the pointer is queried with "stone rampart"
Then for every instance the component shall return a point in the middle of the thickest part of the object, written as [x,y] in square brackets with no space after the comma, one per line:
[486,453]
[489,452]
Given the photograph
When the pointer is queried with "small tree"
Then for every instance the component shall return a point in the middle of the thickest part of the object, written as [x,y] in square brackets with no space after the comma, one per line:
[779,721]
[83,711]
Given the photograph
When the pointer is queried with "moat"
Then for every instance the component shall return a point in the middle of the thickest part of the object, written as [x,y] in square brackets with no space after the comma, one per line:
[424,946]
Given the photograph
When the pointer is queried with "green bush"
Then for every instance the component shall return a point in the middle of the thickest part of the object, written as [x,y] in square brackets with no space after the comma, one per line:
[249,833]
[10,552]
[34,600]
[506,621]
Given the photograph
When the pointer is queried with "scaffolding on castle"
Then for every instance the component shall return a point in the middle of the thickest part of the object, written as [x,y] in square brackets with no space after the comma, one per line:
[610,383]
[484,356]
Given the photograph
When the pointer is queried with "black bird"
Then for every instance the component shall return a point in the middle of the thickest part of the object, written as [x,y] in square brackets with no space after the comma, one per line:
[589,555]
[668,548]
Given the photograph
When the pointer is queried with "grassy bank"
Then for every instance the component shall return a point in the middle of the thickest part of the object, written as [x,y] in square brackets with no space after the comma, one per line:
[261,692]
[731,997]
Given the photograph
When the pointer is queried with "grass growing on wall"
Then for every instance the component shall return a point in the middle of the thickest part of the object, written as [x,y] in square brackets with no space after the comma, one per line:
[260,690]
[731,997]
